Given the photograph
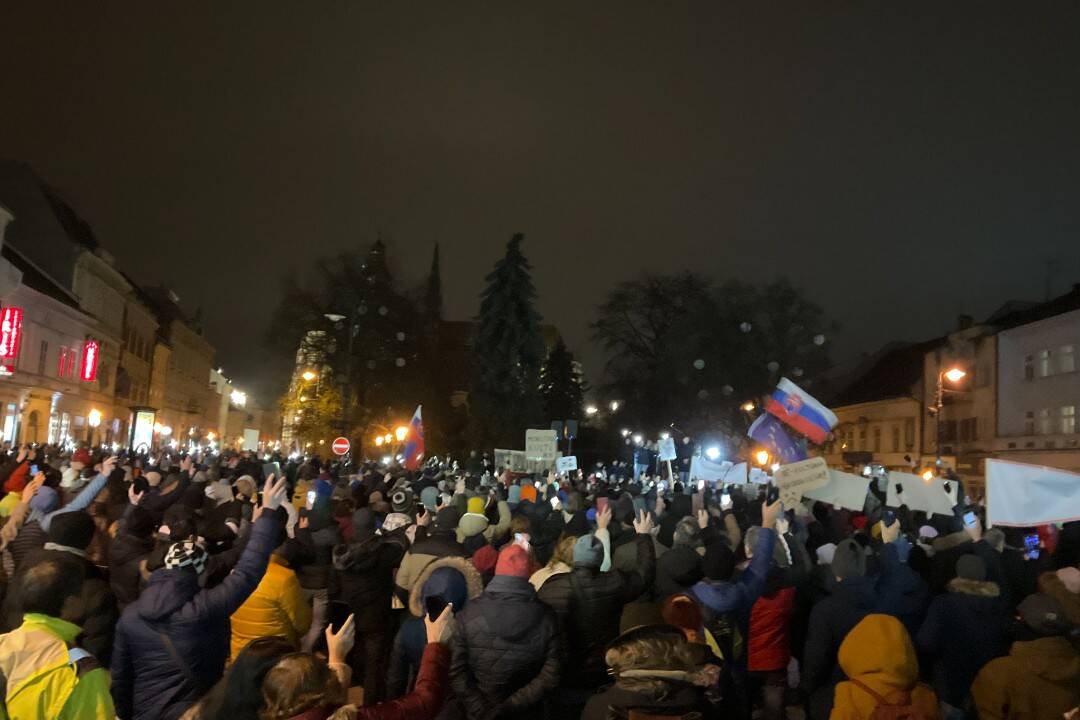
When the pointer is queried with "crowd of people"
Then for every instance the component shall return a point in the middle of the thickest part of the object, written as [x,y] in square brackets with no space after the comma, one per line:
[228,587]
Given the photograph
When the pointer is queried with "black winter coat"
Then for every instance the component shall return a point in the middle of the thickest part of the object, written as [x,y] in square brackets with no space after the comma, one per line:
[365,581]
[676,701]
[314,566]
[963,631]
[677,570]
[147,681]
[593,606]
[125,553]
[506,652]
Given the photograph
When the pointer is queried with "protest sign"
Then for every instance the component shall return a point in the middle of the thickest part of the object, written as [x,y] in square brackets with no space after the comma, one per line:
[667,448]
[566,464]
[759,476]
[918,494]
[541,445]
[1022,495]
[796,478]
[513,460]
[769,431]
[843,490]
[724,471]
[251,439]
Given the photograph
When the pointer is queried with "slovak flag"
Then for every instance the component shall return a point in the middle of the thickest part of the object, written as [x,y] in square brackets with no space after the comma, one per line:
[414,441]
[796,407]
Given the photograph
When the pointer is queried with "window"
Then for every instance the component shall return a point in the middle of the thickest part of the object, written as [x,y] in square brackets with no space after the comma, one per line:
[948,431]
[877,439]
[862,438]
[896,438]
[909,433]
[1045,369]
[1029,367]
[1046,423]
[969,429]
[1068,419]
[1029,422]
[1066,359]
[42,357]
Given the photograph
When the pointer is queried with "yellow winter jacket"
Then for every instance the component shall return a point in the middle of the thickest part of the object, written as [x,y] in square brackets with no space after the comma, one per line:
[47,679]
[277,608]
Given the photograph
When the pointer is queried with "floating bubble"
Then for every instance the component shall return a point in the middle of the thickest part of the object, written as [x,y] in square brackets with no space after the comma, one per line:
[383,310]
[797,372]
[819,339]
[401,337]
[699,364]
[702,394]
[362,309]
[746,327]
[400,362]
[727,389]
[773,366]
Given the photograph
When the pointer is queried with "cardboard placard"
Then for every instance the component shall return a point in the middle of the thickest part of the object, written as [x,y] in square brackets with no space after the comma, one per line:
[667,448]
[795,479]
[918,494]
[566,464]
[843,490]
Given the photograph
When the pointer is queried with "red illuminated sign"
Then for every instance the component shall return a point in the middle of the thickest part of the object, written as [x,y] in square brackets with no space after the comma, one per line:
[10,330]
[89,360]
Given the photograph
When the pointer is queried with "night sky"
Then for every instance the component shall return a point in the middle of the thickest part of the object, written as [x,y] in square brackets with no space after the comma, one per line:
[901,167]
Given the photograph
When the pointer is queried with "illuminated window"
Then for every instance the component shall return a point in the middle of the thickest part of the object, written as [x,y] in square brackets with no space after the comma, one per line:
[1068,419]
[1066,359]
[1045,369]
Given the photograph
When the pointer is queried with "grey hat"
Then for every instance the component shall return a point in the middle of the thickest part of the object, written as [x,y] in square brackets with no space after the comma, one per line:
[1043,614]
[849,560]
[588,552]
[687,533]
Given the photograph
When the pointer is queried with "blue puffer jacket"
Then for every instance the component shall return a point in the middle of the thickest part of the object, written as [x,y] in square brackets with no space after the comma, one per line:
[147,682]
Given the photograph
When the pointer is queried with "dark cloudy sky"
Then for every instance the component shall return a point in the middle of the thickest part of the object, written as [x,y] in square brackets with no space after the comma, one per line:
[901,166]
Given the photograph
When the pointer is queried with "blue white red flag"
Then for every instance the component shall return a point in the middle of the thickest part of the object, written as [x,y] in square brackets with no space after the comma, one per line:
[414,441]
[800,410]
[768,431]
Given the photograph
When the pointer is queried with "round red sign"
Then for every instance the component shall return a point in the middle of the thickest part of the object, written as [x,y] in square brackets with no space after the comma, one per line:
[340,446]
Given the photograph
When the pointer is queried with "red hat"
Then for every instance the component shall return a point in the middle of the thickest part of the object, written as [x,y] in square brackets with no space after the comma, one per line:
[859,522]
[82,455]
[514,561]
[484,559]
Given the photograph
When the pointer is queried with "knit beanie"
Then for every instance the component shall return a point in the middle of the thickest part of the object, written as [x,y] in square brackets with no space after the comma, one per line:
[1043,614]
[849,561]
[73,529]
[514,561]
[447,518]
[1070,578]
[245,485]
[513,495]
[528,493]
[588,552]
[719,562]
[476,505]
[971,567]
[485,559]
[401,500]
[429,496]
[186,554]
[44,501]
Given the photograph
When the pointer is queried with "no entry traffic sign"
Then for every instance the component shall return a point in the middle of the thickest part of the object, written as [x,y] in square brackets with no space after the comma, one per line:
[340,446]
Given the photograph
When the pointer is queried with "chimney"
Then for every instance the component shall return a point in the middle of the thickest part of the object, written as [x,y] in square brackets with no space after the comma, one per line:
[965,322]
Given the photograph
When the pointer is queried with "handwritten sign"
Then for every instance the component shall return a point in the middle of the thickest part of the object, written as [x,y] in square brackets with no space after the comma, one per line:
[667,448]
[566,464]
[796,478]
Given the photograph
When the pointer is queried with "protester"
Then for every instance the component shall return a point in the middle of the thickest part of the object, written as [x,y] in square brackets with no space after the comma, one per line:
[277,607]
[1040,677]
[172,642]
[506,650]
[45,674]
[238,695]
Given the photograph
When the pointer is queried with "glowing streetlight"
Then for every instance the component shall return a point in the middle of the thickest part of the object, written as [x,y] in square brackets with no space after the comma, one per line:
[94,418]
[954,374]
[625,432]
[166,430]
[774,467]
[303,398]
[614,405]
[239,399]
[747,407]
[762,457]
[401,432]
[591,410]
[712,452]
[379,441]
[665,435]
[210,436]
[928,475]
[308,376]
[157,427]
[638,439]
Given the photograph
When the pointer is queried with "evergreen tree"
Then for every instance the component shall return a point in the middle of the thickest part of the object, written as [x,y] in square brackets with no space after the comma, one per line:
[433,291]
[509,351]
[561,387]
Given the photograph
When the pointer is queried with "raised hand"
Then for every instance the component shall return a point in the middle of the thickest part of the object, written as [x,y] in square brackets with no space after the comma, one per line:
[703,519]
[24,450]
[32,487]
[339,644]
[274,492]
[108,465]
[438,630]
[643,524]
[769,513]
[134,497]
[603,518]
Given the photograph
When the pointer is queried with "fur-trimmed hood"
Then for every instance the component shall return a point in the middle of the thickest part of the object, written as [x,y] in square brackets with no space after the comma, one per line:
[473,581]
[977,588]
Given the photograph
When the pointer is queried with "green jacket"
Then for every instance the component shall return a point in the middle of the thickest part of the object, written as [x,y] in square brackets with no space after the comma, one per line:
[42,676]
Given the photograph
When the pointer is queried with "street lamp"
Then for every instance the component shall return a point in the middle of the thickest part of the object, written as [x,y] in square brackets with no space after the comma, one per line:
[614,406]
[762,457]
[401,432]
[638,439]
[591,410]
[953,375]
[93,419]
[747,407]
[308,376]
[379,441]
[712,452]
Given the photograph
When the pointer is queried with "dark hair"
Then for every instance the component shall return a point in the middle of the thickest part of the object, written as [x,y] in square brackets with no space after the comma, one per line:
[44,586]
[238,695]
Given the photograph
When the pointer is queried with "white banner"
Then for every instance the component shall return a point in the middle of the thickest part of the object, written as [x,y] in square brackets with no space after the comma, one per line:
[667,448]
[566,464]
[702,468]
[918,494]
[843,490]
[1022,495]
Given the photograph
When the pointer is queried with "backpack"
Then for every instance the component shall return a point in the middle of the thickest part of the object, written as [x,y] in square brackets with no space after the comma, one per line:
[884,710]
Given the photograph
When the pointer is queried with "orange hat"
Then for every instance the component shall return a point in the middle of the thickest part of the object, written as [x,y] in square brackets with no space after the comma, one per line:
[514,561]
[528,493]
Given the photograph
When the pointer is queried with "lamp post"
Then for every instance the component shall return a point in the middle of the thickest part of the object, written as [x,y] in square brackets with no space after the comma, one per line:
[953,375]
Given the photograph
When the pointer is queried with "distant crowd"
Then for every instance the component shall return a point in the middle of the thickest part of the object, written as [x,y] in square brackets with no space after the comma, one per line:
[238,587]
